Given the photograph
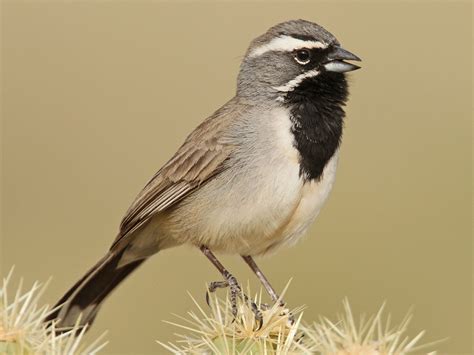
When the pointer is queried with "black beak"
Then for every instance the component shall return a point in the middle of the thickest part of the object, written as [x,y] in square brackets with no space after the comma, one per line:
[335,61]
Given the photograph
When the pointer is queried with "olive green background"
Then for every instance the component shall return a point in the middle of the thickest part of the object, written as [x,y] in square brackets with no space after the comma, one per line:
[96,96]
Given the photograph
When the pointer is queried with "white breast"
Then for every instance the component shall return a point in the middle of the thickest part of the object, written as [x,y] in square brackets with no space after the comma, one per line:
[262,188]
[313,196]
[261,201]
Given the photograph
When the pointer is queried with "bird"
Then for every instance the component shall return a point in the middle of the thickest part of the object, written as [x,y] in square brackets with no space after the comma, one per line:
[249,180]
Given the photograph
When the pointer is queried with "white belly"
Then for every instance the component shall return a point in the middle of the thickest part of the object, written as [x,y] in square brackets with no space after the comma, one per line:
[276,214]
[261,202]
[313,196]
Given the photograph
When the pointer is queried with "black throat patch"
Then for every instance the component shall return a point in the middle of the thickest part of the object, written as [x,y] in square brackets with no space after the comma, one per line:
[316,107]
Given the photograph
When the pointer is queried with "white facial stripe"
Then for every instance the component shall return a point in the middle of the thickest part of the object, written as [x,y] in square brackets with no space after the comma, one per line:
[290,86]
[286,44]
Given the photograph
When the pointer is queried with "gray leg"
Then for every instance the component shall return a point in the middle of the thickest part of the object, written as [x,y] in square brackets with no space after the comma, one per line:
[271,291]
[231,282]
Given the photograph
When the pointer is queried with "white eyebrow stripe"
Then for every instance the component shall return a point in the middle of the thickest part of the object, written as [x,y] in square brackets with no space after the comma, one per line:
[286,44]
[292,84]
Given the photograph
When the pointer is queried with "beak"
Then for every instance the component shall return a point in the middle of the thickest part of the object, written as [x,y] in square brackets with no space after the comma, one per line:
[336,62]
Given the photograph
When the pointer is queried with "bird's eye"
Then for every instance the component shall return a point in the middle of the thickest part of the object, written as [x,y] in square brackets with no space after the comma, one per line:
[303,56]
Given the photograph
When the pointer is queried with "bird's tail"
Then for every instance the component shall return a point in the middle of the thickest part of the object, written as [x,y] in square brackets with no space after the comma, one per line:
[85,297]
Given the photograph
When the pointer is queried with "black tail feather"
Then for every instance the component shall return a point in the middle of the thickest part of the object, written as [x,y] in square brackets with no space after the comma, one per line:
[85,297]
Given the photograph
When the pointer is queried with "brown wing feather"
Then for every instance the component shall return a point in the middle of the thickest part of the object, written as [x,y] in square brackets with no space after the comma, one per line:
[199,158]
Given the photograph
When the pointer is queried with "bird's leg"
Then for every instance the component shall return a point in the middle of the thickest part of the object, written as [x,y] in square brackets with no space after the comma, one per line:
[231,282]
[271,291]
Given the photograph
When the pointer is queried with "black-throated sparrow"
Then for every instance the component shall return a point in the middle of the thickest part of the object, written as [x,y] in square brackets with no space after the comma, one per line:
[250,178]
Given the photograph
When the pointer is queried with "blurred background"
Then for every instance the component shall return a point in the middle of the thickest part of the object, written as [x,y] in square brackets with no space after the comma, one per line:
[97,95]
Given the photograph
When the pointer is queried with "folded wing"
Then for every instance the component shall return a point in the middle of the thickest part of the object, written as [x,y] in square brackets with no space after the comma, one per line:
[200,158]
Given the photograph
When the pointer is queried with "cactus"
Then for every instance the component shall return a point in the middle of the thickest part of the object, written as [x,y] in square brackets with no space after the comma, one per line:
[213,331]
[22,327]
[217,332]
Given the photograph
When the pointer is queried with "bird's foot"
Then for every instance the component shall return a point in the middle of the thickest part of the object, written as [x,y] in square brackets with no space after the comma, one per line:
[235,293]
[291,317]
[282,305]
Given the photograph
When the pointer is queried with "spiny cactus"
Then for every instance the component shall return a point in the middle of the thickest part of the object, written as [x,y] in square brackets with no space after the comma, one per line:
[217,332]
[372,336]
[22,327]
[213,331]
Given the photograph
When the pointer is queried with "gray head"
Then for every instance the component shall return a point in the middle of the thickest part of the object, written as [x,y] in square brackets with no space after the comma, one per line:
[287,55]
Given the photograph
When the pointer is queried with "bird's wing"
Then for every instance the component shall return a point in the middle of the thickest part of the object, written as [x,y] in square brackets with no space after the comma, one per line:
[200,158]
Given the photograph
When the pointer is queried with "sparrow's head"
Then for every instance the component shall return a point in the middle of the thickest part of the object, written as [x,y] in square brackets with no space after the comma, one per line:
[290,55]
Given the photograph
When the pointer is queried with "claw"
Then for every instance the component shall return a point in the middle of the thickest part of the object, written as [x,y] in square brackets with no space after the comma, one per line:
[207,298]
[291,317]
[213,286]
[235,291]
[231,282]
[258,315]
